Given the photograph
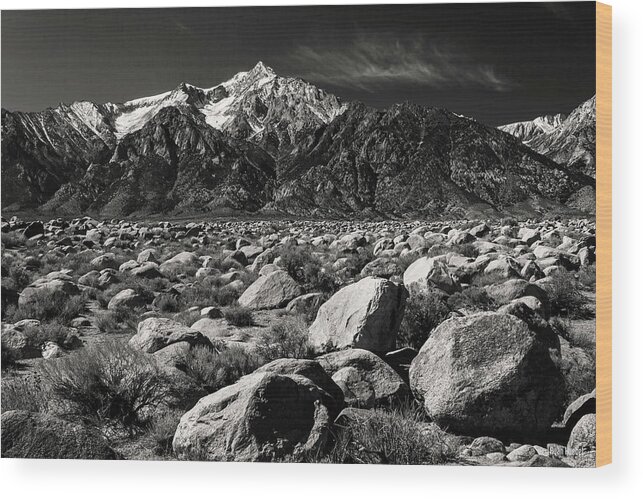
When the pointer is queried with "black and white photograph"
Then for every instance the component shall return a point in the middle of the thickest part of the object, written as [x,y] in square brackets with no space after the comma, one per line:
[349,234]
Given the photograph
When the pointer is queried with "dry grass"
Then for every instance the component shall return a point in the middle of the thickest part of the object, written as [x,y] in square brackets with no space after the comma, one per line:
[46,331]
[472,297]
[207,293]
[309,271]
[587,277]
[106,384]
[12,240]
[424,312]
[25,394]
[286,339]
[118,320]
[565,297]
[216,368]
[161,432]
[399,436]
[48,306]
[238,316]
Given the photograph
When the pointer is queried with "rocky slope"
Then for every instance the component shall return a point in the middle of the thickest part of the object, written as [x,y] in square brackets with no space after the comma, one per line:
[414,160]
[260,141]
[570,142]
[174,163]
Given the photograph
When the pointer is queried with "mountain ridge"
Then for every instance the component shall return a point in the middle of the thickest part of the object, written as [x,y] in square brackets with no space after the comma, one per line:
[570,141]
[263,142]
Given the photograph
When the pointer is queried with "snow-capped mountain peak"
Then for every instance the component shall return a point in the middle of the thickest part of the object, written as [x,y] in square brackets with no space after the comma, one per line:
[247,100]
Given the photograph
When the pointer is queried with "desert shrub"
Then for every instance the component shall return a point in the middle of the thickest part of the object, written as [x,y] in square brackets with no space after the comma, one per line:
[11,240]
[406,260]
[481,279]
[215,368]
[468,250]
[238,316]
[8,359]
[139,284]
[168,303]
[438,249]
[106,384]
[565,297]
[162,429]
[472,297]
[307,269]
[288,338]
[47,306]
[18,277]
[23,394]
[564,327]
[46,331]
[509,221]
[187,317]
[587,277]
[424,311]
[204,294]
[117,320]
[391,437]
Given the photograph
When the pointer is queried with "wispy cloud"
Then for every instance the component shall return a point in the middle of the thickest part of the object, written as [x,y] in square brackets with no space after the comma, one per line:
[369,62]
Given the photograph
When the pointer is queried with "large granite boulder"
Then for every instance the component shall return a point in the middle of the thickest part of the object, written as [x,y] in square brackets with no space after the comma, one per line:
[365,379]
[127,298]
[57,285]
[366,314]
[312,370]
[262,417]
[156,333]
[430,272]
[585,404]
[488,374]
[17,344]
[583,436]
[273,290]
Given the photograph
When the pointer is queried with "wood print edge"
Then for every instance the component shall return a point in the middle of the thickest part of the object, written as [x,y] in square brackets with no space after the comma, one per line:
[604,234]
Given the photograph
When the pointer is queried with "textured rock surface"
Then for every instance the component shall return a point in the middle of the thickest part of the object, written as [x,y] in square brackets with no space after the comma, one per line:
[365,315]
[430,272]
[583,436]
[585,404]
[261,141]
[156,332]
[487,374]
[274,290]
[365,379]
[261,417]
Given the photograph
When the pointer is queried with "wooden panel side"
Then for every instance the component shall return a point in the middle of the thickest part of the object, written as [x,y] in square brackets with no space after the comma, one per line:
[604,234]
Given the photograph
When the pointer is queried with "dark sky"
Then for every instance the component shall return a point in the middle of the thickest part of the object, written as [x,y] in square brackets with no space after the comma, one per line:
[497,63]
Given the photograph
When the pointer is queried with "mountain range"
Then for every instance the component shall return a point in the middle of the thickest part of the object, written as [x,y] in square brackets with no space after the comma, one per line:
[267,144]
[568,140]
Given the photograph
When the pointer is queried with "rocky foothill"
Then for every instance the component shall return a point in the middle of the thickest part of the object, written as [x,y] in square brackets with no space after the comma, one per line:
[403,342]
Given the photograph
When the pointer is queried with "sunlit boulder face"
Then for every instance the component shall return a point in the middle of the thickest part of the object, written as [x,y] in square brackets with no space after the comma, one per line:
[366,314]
[488,374]
[262,417]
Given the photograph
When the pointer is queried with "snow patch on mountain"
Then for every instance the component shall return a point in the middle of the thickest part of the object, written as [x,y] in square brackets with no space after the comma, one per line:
[216,113]
[527,131]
